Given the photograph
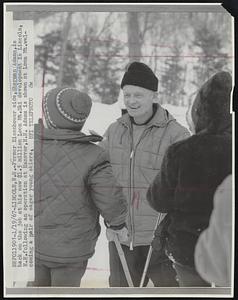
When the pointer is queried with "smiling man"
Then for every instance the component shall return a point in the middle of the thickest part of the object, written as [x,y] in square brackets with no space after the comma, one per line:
[136,143]
[138,102]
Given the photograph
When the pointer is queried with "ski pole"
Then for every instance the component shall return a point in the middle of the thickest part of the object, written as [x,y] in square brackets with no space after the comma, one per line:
[123,261]
[159,219]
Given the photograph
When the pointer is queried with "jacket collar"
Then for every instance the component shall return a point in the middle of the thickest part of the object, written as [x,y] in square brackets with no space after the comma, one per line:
[42,133]
[161,118]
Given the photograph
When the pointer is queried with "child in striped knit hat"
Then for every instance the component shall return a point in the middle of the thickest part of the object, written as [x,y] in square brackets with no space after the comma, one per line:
[74,184]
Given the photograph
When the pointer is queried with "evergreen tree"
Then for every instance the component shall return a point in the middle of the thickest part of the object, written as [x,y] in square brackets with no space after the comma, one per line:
[214,56]
[173,79]
[48,56]
[101,63]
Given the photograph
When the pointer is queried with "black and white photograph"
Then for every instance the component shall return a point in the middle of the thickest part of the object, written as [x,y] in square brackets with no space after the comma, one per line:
[118,143]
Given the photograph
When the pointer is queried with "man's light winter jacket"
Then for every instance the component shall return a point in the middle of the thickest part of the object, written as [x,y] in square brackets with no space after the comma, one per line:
[135,167]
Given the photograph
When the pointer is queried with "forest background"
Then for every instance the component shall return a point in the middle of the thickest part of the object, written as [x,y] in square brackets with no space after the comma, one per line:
[90,50]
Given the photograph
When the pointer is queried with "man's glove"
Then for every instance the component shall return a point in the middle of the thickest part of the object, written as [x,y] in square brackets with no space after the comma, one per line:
[122,234]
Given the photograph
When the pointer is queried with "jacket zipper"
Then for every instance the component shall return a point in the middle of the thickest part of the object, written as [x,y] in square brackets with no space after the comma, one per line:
[130,187]
[132,159]
[131,191]
[131,201]
[132,165]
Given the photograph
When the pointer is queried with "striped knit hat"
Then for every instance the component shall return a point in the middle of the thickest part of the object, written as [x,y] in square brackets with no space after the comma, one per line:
[66,108]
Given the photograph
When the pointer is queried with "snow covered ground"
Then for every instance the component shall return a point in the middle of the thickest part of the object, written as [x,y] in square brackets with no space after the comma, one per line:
[101,116]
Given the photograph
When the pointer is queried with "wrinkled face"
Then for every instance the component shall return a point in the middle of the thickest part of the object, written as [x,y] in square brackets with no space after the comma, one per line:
[138,101]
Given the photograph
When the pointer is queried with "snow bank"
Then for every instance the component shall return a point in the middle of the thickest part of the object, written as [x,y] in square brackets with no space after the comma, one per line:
[102,115]
[178,112]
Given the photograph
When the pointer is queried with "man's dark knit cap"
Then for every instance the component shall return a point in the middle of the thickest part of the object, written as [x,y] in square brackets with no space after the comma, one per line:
[139,74]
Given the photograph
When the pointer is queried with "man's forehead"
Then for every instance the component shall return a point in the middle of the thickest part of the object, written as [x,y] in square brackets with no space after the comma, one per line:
[135,88]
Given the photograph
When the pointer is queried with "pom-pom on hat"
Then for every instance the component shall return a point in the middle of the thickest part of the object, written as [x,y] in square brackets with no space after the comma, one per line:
[66,108]
[141,75]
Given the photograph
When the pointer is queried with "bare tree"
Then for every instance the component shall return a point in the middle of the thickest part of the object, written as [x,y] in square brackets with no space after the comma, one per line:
[138,24]
[89,41]
[65,34]
[134,39]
